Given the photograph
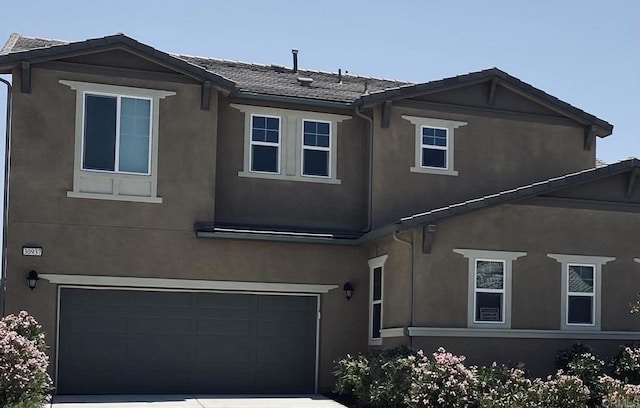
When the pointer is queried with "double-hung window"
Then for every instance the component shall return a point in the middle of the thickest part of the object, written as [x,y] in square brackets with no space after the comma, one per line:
[489,287]
[116,142]
[265,144]
[581,294]
[316,150]
[290,145]
[581,289]
[489,293]
[376,293]
[434,144]
[117,134]
[434,147]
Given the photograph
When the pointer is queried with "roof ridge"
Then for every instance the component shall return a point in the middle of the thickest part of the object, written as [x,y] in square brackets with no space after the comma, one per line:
[47,39]
[258,64]
[11,41]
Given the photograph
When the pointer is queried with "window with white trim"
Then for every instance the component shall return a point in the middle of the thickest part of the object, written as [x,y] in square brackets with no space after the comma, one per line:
[116,142]
[376,294]
[489,287]
[489,291]
[305,150]
[581,289]
[434,143]
[265,144]
[316,148]
[581,294]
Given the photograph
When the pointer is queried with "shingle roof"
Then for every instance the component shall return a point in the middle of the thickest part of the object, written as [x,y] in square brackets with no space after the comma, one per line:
[280,81]
[519,193]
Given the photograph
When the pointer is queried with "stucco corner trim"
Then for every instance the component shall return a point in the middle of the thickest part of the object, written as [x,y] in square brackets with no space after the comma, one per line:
[522,333]
[393,332]
[188,284]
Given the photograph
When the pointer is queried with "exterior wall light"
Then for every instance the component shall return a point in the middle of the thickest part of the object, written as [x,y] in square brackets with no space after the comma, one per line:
[32,279]
[348,290]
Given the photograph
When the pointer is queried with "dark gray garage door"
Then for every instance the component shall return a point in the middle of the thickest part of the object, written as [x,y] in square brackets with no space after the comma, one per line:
[151,342]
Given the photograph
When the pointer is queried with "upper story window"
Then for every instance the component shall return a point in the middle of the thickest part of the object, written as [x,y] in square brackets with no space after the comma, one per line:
[581,290]
[283,144]
[316,151]
[434,142]
[117,134]
[489,287]
[265,144]
[434,148]
[116,142]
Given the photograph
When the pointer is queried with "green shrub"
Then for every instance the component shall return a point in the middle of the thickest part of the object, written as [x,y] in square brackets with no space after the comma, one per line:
[377,379]
[500,386]
[564,356]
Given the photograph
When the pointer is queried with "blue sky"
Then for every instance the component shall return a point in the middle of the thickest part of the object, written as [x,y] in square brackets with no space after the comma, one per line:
[585,52]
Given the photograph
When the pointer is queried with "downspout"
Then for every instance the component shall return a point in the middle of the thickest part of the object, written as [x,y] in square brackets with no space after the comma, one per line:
[413,283]
[370,181]
[5,226]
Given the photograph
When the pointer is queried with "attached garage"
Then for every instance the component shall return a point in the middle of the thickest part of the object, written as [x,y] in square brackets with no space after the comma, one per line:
[168,342]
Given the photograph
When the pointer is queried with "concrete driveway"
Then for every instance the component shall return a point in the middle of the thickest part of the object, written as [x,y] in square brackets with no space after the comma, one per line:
[193,401]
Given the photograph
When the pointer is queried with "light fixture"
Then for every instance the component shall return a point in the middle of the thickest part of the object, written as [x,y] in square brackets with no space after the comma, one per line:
[348,290]
[32,279]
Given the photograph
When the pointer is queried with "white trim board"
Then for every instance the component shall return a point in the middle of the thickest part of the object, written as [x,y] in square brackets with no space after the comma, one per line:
[393,332]
[522,333]
[123,281]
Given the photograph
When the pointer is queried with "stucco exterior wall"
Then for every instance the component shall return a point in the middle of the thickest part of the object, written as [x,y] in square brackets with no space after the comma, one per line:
[442,276]
[118,238]
[490,154]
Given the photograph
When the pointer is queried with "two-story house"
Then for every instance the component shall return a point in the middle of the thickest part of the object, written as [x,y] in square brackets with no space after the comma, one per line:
[182,224]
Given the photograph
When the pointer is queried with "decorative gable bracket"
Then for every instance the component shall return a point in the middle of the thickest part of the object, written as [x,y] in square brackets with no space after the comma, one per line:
[428,235]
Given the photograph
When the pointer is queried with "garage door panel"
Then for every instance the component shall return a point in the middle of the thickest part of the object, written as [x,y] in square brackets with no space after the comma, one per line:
[225,327]
[225,301]
[158,325]
[132,342]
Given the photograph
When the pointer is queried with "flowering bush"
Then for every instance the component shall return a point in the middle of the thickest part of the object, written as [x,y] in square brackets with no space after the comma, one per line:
[24,380]
[399,379]
[626,364]
[506,387]
[443,381]
[376,379]
[617,394]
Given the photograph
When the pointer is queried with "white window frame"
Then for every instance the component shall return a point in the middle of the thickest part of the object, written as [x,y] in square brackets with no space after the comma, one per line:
[374,264]
[591,294]
[582,260]
[116,164]
[271,144]
[483,290]
[291,143]
[507,257]
[115,185]
[318,148]
[434,147]
[450,126]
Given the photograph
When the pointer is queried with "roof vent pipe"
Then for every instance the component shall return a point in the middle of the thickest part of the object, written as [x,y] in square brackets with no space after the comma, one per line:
[339,75]
[295,60]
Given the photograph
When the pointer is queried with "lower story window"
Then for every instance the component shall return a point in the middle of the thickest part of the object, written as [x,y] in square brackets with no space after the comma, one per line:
[489,291]
[580,298]
[376,292]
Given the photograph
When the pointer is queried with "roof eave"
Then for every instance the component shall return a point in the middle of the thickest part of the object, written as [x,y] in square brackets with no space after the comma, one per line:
[118,41]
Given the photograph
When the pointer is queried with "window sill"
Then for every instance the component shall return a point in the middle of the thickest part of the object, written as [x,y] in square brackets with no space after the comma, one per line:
[98,196]
[433,171]
[375,342]
[523,333]
[321,180]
